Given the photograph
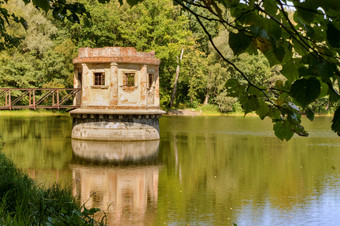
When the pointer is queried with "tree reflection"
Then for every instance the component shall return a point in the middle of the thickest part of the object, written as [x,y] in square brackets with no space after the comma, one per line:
[220,175]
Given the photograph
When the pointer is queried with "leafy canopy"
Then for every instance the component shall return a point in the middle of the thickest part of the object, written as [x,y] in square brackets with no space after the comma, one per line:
[303,37]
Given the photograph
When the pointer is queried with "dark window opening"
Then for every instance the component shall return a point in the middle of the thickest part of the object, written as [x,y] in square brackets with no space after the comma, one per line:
[150,80]
[129,79]
[80,76]
[99,79]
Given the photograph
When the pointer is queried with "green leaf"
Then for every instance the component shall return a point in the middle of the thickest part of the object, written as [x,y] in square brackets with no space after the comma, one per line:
[324,90]
[305,91]
[333,36]
[291,70]
[299,130]
[239,42]
[254,91]
[310,114]
[274,30]
[283,130]
[336,121]
[274,113]
[73,18]
[133,2]
[306,15]
[58,14]
[233,87]
[333,94]
[43,4]
[293,118]
[325,70]
[271,57]
[270,7]
[262,109]
[299,48]
[279,53]
[249,103]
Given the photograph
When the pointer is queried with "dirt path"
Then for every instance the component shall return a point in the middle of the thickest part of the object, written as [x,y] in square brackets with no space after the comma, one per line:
[183,112]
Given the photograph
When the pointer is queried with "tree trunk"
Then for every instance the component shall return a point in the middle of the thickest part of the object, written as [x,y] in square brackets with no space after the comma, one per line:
[206,100]
[176,80]
[207,96]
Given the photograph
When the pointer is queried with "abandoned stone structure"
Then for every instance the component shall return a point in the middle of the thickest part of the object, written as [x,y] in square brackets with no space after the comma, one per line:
[119,97]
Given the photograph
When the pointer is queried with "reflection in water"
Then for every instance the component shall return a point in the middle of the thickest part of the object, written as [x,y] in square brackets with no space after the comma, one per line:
[40,145]
[215,171]
[113,151]
[218,177]
[126,193]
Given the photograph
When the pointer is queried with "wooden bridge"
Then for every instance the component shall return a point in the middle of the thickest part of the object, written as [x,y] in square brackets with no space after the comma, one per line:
[33,98]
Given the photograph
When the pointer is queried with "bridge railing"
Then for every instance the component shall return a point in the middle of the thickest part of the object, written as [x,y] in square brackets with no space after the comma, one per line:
[33,98]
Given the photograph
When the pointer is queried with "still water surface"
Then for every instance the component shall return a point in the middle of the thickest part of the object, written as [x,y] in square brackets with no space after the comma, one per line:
[203,171]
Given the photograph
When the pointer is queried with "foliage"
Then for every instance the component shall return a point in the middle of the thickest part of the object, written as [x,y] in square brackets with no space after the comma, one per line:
[41,57]
[301,36]
[23,202]
[226,103]
[283,55]
[60,9]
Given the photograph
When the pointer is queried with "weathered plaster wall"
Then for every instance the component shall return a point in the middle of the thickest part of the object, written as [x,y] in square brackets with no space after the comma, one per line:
[115,62]
[96,95]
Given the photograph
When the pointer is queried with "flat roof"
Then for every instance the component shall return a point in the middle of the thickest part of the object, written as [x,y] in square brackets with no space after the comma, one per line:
[116,112]
[115,54]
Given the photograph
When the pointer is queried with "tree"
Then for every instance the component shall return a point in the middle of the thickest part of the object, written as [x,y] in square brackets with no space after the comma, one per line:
[301,36]
[40,60]
[60,9]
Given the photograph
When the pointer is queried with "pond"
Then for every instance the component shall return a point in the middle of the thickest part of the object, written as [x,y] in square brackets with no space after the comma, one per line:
[204,171]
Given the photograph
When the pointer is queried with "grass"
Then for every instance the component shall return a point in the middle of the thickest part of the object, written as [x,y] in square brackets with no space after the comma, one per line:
[29,112]
[23,202]
[208,109]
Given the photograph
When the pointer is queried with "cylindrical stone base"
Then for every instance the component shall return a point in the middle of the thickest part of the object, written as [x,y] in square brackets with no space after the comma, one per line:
[115,127]
[113,151]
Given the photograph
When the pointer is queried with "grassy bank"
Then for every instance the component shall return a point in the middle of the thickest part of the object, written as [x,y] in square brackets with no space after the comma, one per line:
[28,112]
[22,202]
[213,110]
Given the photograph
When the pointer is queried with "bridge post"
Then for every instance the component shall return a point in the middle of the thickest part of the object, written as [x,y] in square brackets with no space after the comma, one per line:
[10,101]
[58,103]
[34,99]
[30,97]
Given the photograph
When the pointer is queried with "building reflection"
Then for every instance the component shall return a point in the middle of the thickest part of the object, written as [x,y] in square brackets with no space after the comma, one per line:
[120,178]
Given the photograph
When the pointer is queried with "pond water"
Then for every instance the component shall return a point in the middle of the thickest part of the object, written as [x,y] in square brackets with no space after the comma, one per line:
[203,171]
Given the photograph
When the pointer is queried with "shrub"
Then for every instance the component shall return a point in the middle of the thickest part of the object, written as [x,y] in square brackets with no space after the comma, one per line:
[25,203]
[225,103]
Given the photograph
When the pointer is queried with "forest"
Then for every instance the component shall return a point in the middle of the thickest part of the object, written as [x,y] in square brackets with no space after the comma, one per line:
[43,56]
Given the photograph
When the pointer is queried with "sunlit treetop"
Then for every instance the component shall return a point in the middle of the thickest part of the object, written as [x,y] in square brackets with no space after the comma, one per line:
[61,10]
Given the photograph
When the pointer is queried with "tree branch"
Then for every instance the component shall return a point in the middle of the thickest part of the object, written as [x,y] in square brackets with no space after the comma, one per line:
[225,59]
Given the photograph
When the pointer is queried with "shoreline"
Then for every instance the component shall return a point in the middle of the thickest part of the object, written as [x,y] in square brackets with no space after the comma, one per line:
[31,113]
[173,112]
[193,112]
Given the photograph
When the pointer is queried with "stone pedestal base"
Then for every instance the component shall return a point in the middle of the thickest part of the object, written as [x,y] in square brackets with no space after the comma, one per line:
[115,125]
[113,151]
